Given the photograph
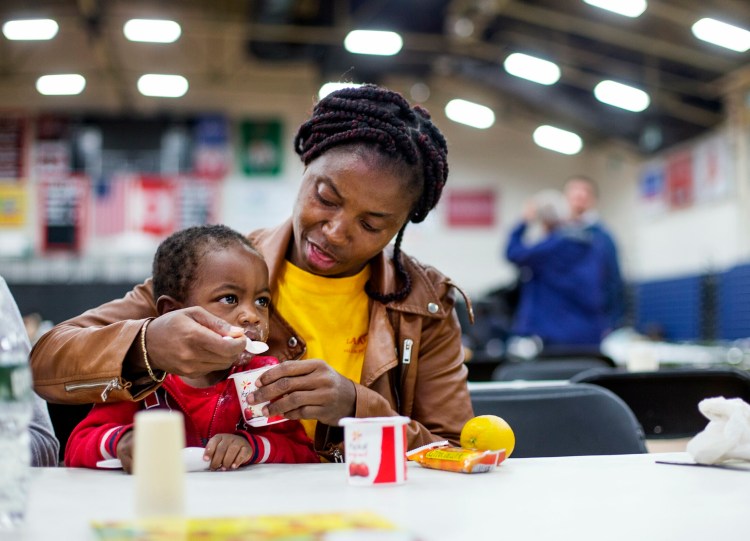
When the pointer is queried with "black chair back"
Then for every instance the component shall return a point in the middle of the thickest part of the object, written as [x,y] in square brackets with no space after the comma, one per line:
[666,401]
[65,417]
[547,369]
[561,420]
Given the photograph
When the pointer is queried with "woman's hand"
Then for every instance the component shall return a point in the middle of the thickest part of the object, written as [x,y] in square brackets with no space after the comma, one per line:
[125,451]
[227,451]
[190,342]
[308,389]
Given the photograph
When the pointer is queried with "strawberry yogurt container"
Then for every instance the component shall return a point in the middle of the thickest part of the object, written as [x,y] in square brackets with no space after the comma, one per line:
[244,383]
[375,449]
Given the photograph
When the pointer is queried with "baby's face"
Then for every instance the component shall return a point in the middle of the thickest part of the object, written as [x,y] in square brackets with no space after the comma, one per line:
[232,283]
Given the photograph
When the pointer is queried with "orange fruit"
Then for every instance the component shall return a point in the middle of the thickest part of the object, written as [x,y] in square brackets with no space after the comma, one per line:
[488,433]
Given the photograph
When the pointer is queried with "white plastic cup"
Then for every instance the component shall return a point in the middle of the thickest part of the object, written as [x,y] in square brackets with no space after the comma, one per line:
[642,358]
[244,382]
[158,466]
[375,449]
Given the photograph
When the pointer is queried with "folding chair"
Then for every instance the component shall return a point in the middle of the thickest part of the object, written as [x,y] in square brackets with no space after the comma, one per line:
[65,417]
[561,420]
[547,369]
[666,401]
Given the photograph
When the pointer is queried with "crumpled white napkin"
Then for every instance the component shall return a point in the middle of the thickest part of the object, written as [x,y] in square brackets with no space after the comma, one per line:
[727,436]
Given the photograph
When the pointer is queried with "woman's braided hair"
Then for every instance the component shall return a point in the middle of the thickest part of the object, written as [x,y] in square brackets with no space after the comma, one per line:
[380,119]
[177,257]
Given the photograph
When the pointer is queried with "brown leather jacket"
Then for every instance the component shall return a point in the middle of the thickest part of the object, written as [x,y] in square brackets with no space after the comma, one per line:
[413,363]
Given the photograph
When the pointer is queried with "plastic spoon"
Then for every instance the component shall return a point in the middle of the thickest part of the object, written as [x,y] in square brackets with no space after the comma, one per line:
[255,347]
[191,456]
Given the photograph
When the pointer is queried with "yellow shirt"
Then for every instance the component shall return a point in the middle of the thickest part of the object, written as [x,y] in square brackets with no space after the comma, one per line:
[332,316]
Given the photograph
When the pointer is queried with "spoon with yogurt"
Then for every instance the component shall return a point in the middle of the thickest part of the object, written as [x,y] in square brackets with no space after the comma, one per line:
[256,347]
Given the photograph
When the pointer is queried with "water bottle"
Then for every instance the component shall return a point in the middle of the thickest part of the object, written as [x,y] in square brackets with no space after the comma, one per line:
[15,412]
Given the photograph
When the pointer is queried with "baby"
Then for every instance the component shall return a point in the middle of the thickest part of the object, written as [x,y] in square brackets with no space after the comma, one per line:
[217,269]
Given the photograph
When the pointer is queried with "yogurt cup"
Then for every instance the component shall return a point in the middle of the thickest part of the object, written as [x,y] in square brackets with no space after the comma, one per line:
[244,383]
[375,449]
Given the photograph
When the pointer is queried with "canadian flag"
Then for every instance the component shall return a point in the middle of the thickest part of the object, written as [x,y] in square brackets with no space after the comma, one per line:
[156,208]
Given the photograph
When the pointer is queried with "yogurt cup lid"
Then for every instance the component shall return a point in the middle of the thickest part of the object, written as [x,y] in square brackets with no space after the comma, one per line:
[395,420]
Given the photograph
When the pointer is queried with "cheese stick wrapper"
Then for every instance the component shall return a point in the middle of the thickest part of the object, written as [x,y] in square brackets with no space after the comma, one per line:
[441,455]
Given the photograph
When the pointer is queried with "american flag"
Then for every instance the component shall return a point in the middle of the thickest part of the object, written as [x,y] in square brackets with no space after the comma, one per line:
[110,206]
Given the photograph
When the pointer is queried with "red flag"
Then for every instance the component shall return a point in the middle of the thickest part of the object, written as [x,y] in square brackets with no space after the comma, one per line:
[157,205]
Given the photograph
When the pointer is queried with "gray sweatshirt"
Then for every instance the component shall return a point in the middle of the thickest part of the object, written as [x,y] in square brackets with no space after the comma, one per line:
[44,444]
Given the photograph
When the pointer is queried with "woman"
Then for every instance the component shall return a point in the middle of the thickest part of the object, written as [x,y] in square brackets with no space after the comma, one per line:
[375,328]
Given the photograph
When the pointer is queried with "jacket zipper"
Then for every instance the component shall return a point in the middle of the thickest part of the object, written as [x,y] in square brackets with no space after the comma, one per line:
[109,386]
[406,355]
[338,457]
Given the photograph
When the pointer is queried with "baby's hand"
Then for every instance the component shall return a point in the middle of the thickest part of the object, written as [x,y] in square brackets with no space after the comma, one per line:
[227,451]
[125,451]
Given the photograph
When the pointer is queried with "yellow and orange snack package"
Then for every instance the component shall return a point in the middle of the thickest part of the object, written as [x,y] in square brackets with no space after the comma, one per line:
[440,455]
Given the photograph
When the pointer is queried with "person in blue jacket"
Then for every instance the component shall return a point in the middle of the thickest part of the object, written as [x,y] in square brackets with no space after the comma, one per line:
[562,276]
[582,194]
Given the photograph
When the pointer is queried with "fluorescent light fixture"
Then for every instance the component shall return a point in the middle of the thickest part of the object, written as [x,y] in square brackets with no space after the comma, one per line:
[152,30]
[64,84]
[722,34]
[532,68]
[469,113]
[628,8]
[622,96]
[378,42]
[30,29]
[562,141]
[162,86]
[333,86]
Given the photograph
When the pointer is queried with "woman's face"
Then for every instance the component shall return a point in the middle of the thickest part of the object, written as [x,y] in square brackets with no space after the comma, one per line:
[348,209]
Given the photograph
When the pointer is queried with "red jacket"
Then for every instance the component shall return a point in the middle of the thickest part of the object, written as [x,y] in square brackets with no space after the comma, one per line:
[207,411]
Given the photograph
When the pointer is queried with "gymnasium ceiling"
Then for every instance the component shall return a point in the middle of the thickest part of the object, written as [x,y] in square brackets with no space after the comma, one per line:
[228,43]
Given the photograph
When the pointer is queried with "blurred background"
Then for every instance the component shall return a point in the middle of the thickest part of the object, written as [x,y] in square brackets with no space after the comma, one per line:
[99,166]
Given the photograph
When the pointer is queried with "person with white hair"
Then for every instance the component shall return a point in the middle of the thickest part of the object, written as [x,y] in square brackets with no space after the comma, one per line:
[561,279]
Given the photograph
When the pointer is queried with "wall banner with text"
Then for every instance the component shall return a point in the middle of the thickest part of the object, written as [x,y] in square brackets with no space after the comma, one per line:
[13,135]
[471,208]
[62,209]
[12,205]
[260,147]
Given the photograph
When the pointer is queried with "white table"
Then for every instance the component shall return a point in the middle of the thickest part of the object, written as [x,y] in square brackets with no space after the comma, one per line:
[598,498]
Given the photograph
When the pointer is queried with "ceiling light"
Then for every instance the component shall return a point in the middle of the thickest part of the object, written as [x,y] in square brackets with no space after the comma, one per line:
[64,84]
[722,34]
[532,68]
[562,141]
[332,87]
[469,113]
[30,29]
[162,86]
[629,8]
[623,96]
[152,30]
[373,42]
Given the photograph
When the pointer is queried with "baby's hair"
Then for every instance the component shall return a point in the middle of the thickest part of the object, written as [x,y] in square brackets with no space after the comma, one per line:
[177,257]
[376,118]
